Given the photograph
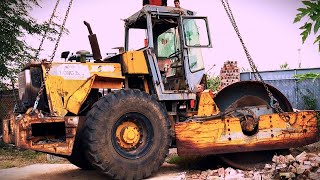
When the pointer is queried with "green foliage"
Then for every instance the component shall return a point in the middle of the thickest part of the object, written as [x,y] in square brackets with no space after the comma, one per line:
[284,66]
[213,82]
[312,11]
[16,23]
[310,102]
[306,76]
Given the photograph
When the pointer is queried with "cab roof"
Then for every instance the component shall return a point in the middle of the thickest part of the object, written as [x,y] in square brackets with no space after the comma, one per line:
[138,19]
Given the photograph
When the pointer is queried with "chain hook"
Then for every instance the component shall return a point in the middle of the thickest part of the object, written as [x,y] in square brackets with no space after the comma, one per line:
[51,58]
[273,101]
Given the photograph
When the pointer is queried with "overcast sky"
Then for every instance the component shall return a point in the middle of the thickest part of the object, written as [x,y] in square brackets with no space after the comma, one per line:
[266,26]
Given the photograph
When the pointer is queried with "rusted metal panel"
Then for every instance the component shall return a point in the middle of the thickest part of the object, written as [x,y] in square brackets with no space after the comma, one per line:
[107,83]
[24,136]
[8,131]
[5,130]
[220,136]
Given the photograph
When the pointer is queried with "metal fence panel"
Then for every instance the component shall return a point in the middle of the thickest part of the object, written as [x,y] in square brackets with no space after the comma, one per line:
[308,88]
[286,86]
[292,88]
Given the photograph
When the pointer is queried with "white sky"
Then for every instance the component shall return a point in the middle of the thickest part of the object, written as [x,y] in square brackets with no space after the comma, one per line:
[266,26]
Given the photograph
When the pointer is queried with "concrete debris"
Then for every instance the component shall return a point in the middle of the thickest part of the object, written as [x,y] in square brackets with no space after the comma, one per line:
[292,169]
[307,162]
[303,166]
[180,176]
[287,175]
[302,157]
[313,175]
[221,172]
[282,160]
[281,167]
[230,172]
[257,176]
[290,158]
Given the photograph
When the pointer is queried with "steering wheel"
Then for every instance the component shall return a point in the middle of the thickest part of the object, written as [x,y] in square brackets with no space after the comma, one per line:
[175,59]
[175,54]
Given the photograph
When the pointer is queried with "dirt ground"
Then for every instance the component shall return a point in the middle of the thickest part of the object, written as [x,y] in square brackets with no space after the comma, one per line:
[70,172]
[28,165]
[67,171]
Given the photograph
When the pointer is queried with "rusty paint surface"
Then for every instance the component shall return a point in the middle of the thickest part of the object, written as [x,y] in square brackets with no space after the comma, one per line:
[8,128]
[107,83]
[146,86]
[24,138]
[5,131]
[226,136]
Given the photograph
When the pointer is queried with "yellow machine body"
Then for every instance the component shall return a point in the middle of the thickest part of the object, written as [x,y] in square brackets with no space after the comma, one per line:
[207,106]
[135,62]
[68,84]
[216,133]
[131,123]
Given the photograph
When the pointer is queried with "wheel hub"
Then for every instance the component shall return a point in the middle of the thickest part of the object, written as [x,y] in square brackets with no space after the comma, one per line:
[128,135]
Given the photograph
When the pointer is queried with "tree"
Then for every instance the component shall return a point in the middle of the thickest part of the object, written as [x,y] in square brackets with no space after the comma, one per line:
[284,66]
[16,23]
[309,75]
[311,10]
[213,82]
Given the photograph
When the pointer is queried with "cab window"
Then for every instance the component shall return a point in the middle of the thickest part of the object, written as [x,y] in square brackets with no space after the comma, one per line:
[168,43]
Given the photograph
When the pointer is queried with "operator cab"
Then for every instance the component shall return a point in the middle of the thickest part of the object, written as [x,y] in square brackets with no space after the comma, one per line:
[172,39]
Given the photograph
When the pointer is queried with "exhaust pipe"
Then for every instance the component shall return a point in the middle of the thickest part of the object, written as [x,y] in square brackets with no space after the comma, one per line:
[93,42]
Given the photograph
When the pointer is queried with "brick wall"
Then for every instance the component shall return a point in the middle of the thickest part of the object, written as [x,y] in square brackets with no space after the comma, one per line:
[229,74]
[7,102]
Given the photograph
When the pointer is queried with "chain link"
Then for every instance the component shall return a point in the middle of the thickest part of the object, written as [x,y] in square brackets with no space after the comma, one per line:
[46,31]
[48,66]
[273,101]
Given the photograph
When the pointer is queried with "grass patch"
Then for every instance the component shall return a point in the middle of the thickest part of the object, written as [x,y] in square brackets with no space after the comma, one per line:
[184,162]
[194,162]
[13,157]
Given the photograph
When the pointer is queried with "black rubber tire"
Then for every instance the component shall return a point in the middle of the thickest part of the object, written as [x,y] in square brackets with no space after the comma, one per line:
[103,152]
[78,157]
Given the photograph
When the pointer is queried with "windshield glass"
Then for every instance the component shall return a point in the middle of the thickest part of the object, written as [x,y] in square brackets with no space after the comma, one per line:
[195,59]
[195,32]
[168,43]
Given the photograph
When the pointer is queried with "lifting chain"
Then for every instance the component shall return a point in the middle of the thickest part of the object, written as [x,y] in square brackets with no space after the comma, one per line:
[273,101]
[51,58]
[46,30]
